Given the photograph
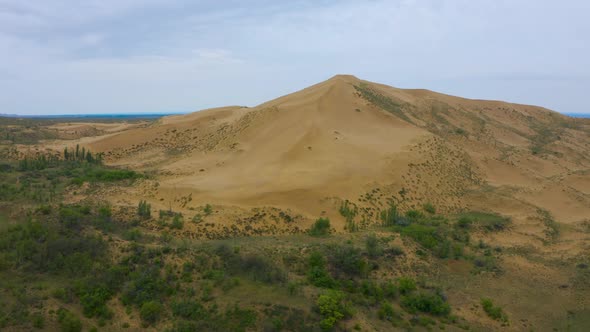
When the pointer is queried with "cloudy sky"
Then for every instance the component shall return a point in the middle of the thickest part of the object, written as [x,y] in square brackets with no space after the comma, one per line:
[113,56]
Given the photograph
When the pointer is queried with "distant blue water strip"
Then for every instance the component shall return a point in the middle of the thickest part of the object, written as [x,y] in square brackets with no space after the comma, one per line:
[94,116]
[578,115]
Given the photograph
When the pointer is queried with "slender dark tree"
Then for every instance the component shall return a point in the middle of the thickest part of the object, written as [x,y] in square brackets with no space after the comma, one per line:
[144,209]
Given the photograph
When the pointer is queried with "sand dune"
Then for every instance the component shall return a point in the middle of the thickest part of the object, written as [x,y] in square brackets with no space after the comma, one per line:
[345,137]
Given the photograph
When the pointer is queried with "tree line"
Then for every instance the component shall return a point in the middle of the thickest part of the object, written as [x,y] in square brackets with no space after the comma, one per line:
[42,161]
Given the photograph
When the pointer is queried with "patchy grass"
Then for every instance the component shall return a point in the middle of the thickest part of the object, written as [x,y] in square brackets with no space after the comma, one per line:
[491,222]
[552,229]
[494,312]
[381,101]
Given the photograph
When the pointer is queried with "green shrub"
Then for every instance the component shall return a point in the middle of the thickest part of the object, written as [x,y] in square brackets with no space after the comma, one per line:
[461,131]
[110,175]
[428,207]
[372,244]
[349,211]
[93,299]
[390,290]
[425,235]
[105,212]
[65,295]
[238,319]
[431,303]
[321,227]
[144,285]
[414,215]
[552,227]
[72,216]
[208,209]
[42,247]
[492,311]
[144,209]
[486,263]
[422,321]
[386,311]
[332,308]
[258,268]
[44,209]
[254,266]
[406,285]
[189,309]
[390,216]
[464,222]
[318,274]
[348,260]
[132,234]
[38,321]
[165,213]
[372,292]
[150,312]
[68,322]
[177,222]
[490,222]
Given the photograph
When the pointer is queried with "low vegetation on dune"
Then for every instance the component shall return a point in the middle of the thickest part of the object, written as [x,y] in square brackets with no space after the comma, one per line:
[85,266]
[381,101]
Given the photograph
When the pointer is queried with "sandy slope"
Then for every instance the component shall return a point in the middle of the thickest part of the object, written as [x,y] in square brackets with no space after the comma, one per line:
[331,141]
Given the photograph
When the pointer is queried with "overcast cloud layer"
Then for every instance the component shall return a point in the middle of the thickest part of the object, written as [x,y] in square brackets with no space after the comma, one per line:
[99,56]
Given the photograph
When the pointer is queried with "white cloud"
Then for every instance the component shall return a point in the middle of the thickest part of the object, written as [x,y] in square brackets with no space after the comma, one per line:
[130,55]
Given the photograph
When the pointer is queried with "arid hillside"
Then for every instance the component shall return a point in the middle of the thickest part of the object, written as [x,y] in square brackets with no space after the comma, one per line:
[405,209]
[348,139]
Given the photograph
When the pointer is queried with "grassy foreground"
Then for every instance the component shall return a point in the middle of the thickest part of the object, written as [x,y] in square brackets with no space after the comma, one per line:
[88,266]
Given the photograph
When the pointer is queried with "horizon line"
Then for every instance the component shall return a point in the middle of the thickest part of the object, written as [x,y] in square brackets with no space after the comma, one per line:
[158,114]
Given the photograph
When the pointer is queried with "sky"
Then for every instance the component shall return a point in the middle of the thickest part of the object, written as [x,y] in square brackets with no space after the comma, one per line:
[148,56]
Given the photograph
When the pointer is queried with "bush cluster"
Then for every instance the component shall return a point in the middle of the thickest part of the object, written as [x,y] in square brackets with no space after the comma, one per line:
[321,227]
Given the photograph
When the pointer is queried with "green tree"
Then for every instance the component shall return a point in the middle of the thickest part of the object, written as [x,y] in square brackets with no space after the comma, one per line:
[332,308]
[144,209]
